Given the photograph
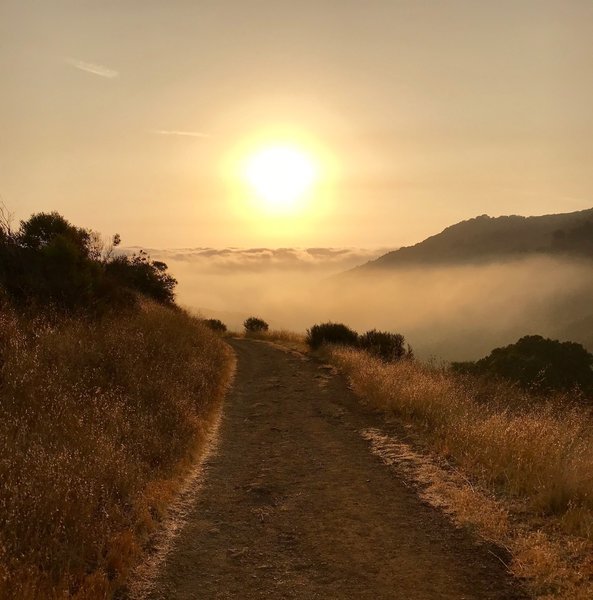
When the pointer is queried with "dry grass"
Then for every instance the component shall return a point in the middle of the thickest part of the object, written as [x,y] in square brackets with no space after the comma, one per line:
[99,423]
[538,456]
[288,339]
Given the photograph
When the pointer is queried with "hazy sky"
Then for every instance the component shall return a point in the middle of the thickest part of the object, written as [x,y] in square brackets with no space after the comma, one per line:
[430,111]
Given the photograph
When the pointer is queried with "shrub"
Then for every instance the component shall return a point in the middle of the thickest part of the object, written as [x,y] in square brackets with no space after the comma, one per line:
[537,363]
[255,325]
[385,345]
[50,262]
[331,333]
[140,273]
[215,325]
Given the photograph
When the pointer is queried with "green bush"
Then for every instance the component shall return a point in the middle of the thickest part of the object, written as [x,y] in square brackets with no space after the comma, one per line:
[331,333]
[537,363]
[138,272]
[215,325]
[385,345]
[50,262]
[255,325]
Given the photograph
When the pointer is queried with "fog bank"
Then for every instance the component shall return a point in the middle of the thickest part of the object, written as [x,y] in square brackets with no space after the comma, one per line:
[451,313]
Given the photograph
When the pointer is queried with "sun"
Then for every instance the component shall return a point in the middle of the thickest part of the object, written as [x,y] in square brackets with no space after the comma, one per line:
[280,176]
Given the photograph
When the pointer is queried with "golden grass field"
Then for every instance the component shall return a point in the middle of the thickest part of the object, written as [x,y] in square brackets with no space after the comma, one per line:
[100,422]
[533,459]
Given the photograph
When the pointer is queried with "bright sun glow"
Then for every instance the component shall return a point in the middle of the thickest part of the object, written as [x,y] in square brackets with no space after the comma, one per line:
[280,176]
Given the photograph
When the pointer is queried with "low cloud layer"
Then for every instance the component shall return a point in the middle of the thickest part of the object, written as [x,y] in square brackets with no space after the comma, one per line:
[451,313]
[239,260]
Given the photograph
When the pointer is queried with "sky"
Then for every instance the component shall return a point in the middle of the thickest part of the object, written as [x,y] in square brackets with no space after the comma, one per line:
[130,116]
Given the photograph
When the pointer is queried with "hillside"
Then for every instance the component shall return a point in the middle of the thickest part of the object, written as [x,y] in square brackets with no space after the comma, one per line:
[485,239]
[109,392]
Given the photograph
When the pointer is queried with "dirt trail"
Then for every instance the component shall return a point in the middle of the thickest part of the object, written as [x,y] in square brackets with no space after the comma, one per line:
[294,505]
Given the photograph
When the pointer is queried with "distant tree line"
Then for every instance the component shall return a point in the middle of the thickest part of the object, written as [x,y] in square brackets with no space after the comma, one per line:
[48,261]
[576,240]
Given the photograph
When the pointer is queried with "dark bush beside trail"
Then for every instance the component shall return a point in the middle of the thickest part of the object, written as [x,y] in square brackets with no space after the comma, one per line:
[255,325]
[215,325]
[331,333]
[385,345]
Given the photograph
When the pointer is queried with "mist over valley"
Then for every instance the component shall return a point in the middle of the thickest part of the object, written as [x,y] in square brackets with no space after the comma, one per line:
[479,284]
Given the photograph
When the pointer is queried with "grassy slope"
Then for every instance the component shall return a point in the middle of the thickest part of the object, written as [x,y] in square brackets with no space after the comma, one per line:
[100,422]
[536,458]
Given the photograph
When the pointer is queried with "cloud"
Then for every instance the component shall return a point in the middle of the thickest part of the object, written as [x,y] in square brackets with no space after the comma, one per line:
[321,260]
[196,134]
[92,68]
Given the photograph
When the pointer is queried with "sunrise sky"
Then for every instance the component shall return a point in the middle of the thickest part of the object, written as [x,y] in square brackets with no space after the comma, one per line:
[139,116]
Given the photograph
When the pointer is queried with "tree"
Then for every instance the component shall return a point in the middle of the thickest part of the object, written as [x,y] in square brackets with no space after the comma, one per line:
[49,261]
[538,363]
[140,273]
[42,229]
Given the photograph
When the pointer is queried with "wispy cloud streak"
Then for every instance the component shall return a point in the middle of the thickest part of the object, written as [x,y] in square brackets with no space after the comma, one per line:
[196,134]
[93,68]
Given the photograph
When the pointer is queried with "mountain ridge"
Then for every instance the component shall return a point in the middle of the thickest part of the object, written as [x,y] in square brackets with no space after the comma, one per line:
[485,239]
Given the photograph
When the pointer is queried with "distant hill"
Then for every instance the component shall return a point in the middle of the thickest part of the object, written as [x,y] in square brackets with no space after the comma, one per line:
[485,239]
